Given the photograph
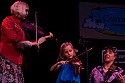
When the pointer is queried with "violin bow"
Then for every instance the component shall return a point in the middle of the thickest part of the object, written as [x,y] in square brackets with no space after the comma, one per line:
[36,25]
[85,51]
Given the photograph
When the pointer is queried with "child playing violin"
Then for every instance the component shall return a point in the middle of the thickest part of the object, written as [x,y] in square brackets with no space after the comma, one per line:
[68,64]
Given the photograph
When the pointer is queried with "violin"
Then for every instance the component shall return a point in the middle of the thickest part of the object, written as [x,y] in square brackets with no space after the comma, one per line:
[28,26]
[77,67]
[76,59]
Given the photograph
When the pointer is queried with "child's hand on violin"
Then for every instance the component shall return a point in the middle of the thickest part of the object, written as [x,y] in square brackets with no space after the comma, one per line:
[62,62]
[78,63]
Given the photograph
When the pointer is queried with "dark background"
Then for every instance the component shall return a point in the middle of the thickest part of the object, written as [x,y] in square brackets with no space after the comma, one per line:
[62,19]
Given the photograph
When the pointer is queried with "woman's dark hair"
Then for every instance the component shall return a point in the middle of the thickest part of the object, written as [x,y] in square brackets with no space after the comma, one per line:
[114,49]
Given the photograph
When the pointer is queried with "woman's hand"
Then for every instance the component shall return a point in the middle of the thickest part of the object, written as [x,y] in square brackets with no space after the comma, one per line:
[49,36]
[35,44]
[28,44]
[43,39]
[120,78]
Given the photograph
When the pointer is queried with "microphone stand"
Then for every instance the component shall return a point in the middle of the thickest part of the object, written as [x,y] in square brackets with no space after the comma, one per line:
[84,43]
[87,64]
